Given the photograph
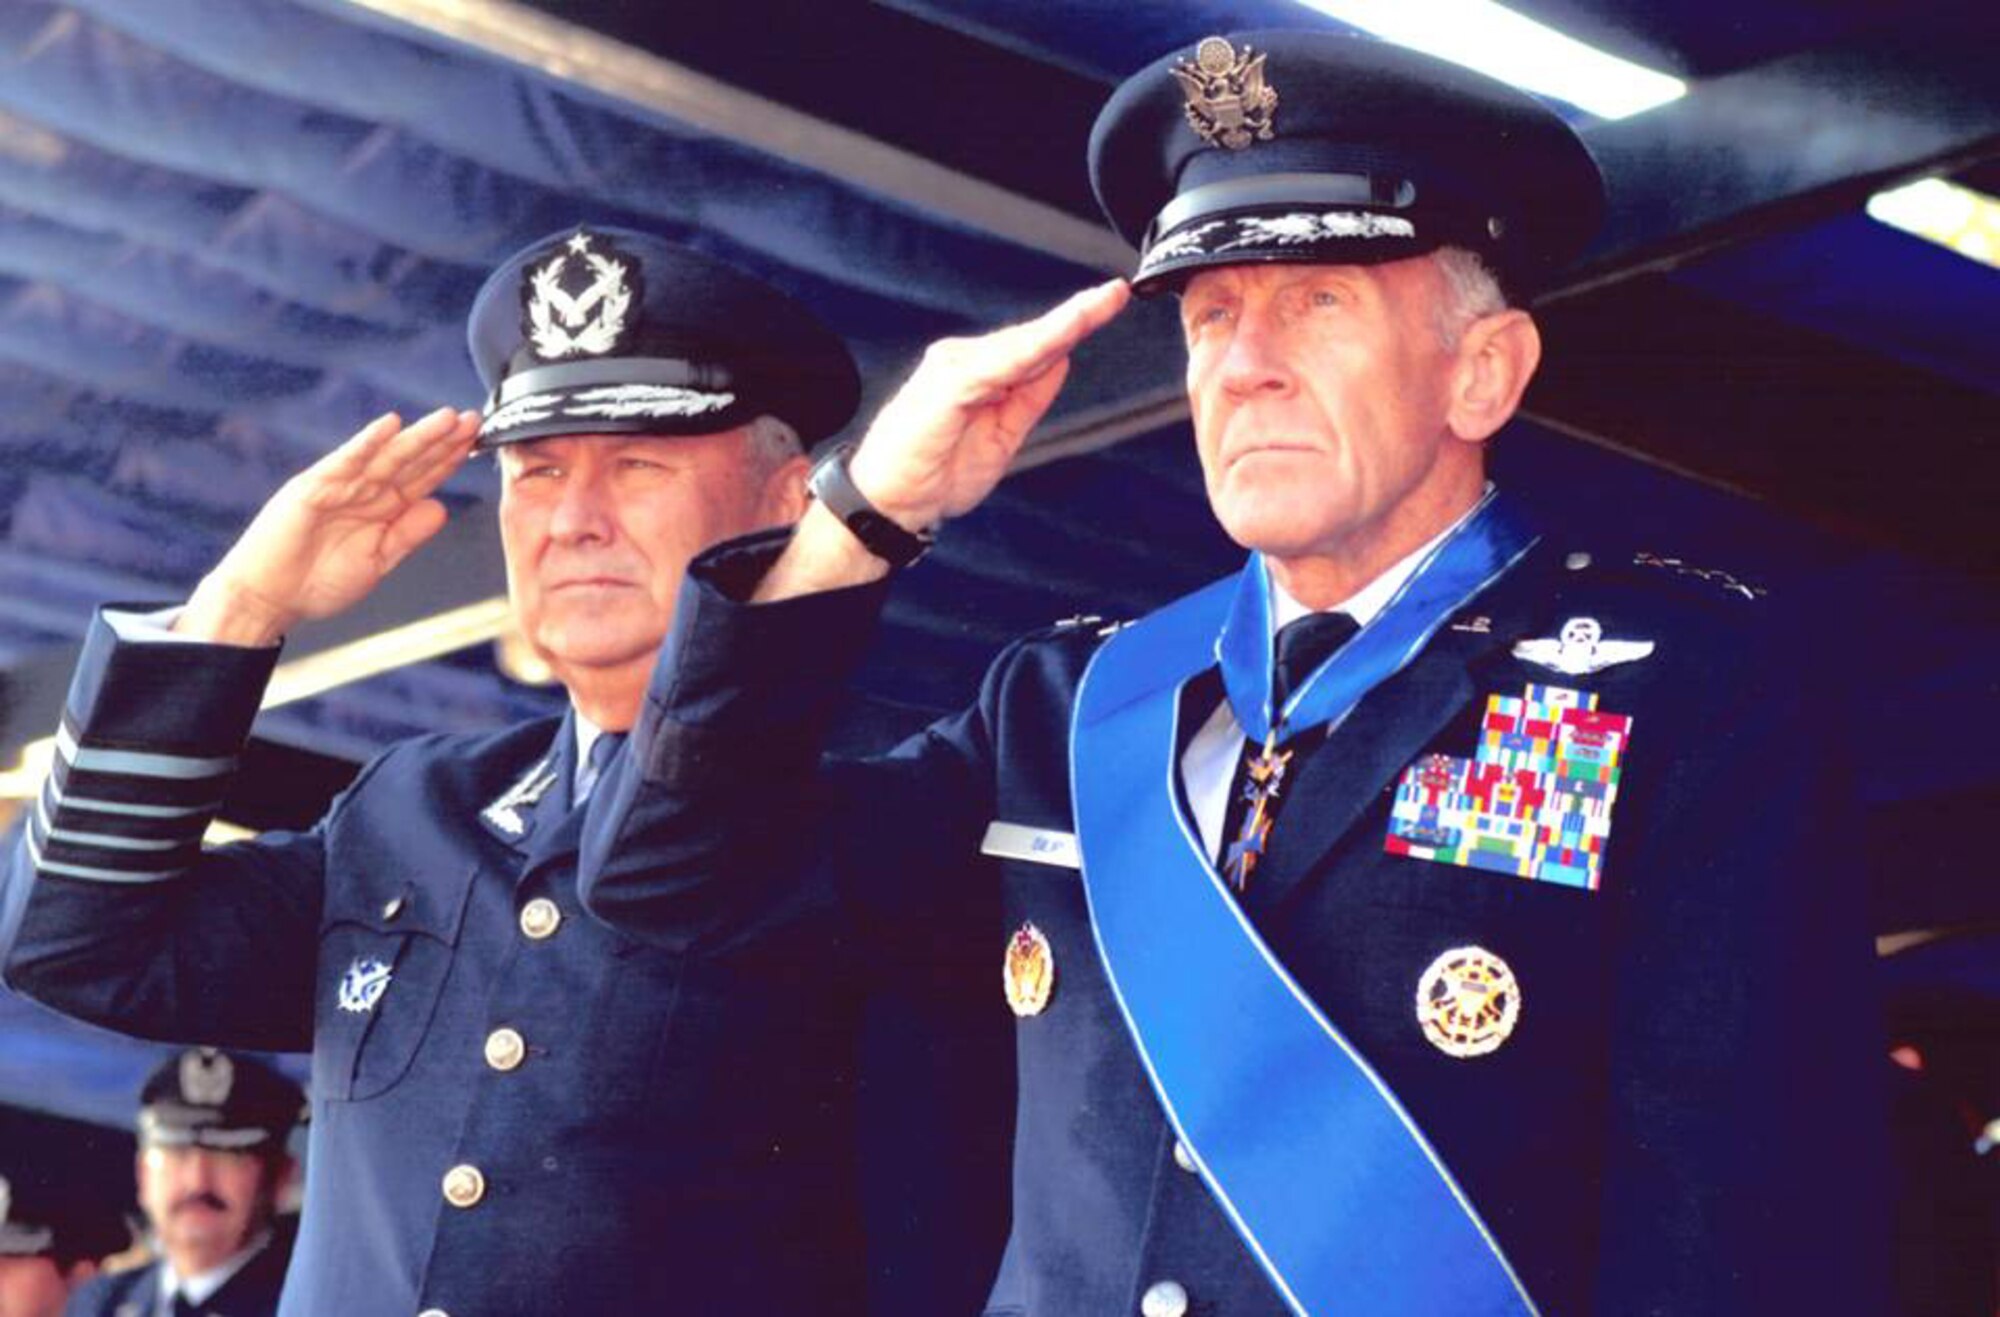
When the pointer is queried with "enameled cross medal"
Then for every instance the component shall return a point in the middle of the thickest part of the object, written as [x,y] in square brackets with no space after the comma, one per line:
[1263,778]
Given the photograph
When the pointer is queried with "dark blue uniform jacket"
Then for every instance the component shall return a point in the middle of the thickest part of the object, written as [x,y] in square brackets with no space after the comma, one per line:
[668,1126]
[1685,1120]
[251,1292]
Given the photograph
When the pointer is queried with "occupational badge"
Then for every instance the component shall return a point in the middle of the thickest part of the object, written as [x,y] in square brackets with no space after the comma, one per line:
[575,303]
[206,1077]
[1468,1002]
[363,985]
[1580,649]
[1228,102]
[1535,799]
[1029,975]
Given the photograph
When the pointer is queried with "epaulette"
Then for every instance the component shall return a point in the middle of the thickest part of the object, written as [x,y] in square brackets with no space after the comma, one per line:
[1726,583]
[1094,622]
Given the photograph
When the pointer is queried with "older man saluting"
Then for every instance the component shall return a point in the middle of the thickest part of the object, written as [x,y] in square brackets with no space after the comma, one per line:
[514,1109]
[1441,915]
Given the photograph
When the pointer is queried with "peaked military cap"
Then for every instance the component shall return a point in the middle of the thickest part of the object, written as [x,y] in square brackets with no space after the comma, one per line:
[1331,149]
[60,1194]
[213,1099]
[609,331]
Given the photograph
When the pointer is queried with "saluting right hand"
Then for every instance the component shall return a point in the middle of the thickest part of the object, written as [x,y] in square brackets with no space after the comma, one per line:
[333,531]
[944,441]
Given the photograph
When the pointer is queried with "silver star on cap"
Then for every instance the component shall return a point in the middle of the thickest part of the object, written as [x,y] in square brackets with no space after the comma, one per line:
[1580,649]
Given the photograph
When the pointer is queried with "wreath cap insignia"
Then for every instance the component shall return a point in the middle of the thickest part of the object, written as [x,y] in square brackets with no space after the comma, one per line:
[1228,102]
[207,1076]
[578,301]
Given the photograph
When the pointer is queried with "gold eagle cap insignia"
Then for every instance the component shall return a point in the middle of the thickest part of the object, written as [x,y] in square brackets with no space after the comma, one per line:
[1229,104]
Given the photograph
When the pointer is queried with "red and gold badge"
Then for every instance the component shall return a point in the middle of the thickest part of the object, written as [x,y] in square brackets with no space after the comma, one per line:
[1029,974]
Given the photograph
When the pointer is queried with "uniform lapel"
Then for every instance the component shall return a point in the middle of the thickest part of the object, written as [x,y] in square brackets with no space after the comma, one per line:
[535,801]
[558,825]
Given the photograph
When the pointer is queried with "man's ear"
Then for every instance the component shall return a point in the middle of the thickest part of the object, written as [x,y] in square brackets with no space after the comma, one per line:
[1497,356]
[784,498]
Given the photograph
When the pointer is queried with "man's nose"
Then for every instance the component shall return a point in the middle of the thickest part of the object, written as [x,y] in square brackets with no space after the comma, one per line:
[583,513]
[200,1173]
[1252,363]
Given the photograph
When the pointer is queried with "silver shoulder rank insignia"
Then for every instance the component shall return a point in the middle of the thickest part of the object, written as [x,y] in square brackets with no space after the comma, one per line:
[1468,1002]
[1029,974]
[363,985]
[505,812]
[564,320]
[1580,649]
[206,1077]
[1228,102]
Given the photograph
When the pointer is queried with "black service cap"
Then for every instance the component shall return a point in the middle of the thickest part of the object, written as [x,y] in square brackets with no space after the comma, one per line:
[1331,149]
[65,1187]
[207,1098]
[611,331]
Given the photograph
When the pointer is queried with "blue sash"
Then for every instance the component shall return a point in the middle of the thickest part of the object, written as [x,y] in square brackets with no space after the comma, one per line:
[1324,1175]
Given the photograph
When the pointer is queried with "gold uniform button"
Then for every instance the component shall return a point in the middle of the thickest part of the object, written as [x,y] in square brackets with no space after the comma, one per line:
[1166,1299]
[540,918]
[464,1186]
[505,1049]
[434,1312]
[391,908]
[1182,1157]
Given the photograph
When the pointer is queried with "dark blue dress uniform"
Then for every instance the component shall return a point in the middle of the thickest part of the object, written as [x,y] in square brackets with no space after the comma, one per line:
[251,1292]
[1652,1126]
[1681,1120]
[514,1108]
[204,1098]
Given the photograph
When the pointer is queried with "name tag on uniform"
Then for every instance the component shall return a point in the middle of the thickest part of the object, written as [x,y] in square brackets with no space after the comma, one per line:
[1016,841]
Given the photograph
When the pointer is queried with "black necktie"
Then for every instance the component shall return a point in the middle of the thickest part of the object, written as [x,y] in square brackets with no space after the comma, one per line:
[1257,792]
[182,1306]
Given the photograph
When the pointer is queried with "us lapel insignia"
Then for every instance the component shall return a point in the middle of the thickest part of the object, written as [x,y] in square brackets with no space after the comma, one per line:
[1580,649]
[1535,799]
[505,812]
[1228,102]
[1029,975]
[363,985]
[1468,1002]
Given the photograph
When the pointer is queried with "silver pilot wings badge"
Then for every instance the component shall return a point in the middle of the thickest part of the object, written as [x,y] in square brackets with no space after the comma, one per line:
[1580,648]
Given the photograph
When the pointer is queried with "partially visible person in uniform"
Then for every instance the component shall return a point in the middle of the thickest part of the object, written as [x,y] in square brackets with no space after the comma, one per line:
[59,1218]
[1441,915]
[213,1164]
[515,1110]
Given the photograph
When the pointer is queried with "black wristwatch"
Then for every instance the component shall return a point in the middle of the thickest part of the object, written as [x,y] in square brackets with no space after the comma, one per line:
[833,486]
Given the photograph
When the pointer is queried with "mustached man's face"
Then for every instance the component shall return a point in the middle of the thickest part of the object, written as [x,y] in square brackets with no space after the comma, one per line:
[206,1204]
